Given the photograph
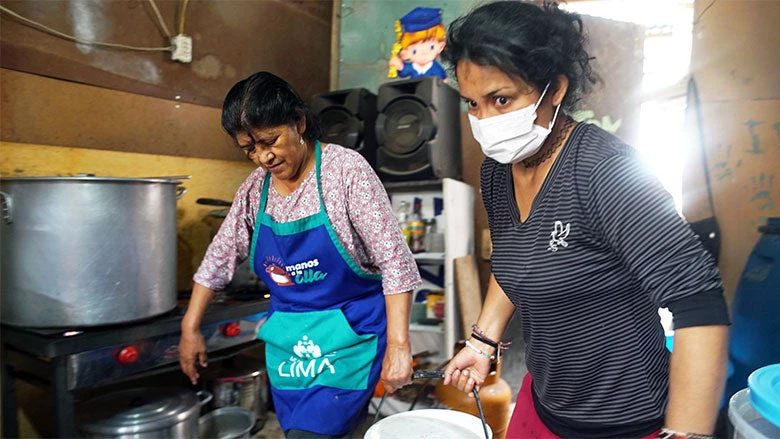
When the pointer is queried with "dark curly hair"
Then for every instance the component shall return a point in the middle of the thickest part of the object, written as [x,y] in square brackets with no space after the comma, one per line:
[266,100]
[536,43]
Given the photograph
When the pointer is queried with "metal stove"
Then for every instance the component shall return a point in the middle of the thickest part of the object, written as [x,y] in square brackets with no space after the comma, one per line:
[72,359]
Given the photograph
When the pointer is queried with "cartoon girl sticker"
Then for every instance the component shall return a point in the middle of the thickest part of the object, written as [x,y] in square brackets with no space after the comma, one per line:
[420,38]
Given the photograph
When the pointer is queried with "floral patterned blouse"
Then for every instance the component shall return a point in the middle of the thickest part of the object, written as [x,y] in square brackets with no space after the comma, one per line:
[358,208]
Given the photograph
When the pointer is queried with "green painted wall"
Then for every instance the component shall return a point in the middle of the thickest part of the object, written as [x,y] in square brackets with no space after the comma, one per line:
[367,36]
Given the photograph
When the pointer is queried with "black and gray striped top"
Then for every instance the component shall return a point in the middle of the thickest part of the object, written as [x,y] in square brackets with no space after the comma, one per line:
[602,250]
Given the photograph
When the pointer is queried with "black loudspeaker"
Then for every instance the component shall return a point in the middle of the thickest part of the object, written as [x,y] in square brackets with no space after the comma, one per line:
[418,130]
[347,118]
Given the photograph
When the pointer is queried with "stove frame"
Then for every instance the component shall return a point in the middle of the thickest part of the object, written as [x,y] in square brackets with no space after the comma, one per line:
[94,357]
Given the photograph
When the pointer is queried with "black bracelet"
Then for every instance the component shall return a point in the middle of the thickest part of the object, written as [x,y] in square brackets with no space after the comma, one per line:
[488,342]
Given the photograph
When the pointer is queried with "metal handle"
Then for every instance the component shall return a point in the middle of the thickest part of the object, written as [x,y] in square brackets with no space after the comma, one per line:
[481,413]
[427,374]
[180,191]
[8,203]
[204,396]
[213,202]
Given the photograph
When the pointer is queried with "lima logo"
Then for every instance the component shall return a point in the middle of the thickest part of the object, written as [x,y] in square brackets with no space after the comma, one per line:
[308,363]
[296,274]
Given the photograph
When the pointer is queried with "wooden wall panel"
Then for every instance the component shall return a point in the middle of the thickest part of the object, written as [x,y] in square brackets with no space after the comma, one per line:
[231,40]
[47,111]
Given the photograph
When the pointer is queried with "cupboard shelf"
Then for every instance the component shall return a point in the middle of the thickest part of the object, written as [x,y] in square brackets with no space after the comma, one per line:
[457,225]
[430,258]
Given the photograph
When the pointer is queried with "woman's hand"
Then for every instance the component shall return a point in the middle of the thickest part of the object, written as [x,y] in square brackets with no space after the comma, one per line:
[397,367]
[466,370]
[192,349]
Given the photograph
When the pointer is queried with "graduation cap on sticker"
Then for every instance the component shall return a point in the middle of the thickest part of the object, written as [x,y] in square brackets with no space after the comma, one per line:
[420,19]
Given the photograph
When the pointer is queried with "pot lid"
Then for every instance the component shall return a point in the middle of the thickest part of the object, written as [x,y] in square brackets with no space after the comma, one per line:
[91,178]
[138,410]
[764,386]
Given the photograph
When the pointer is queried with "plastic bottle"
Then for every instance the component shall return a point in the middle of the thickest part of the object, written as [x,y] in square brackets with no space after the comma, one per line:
[403,221]
[417,228]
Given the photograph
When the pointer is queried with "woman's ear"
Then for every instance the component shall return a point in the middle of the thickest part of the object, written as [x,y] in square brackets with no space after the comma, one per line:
[561,87]
[302,126]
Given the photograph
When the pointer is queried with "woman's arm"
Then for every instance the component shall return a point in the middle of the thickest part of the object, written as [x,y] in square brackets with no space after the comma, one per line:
[231,245]
[397,364]
[668,260]
[468,368]
[192,348]
[697,375]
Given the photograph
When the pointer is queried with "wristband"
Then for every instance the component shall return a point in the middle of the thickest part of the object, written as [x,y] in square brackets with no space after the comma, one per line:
[477,350]
[487,341]
[501,346]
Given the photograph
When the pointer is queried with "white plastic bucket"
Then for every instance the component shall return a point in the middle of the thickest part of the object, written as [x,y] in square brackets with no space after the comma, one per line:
[748,423]
[429,424]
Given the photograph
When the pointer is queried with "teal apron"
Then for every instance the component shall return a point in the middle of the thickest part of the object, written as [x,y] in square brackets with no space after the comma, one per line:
[326,330]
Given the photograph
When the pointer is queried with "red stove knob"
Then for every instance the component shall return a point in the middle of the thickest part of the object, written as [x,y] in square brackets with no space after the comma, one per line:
[128,355]
[231,329]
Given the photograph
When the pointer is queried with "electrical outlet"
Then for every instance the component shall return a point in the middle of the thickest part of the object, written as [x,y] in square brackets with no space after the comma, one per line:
[182,48]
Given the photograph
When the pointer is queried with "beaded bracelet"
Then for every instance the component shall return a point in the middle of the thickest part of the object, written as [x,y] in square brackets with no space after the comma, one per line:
[487,340]
[667,433]
[479,351]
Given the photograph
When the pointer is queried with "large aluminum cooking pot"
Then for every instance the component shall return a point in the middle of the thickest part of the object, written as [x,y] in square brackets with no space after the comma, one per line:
[87,251]
[144,413]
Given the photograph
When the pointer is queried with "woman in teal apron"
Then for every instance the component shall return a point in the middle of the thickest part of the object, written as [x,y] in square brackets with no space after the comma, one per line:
[325,333]
[329,319]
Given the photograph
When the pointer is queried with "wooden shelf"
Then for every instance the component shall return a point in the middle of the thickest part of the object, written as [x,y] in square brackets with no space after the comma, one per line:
[429,257]
[426,328]
[412,186]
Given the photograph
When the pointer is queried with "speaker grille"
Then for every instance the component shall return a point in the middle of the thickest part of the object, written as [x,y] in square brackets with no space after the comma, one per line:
[341,128]
[408,125]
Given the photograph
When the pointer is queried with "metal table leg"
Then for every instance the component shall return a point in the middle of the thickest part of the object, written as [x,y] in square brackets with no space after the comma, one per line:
[64,405]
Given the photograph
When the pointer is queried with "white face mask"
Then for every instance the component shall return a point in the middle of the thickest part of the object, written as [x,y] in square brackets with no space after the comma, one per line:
[512,137]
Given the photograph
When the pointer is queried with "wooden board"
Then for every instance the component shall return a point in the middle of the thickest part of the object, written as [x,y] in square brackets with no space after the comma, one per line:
[468,291]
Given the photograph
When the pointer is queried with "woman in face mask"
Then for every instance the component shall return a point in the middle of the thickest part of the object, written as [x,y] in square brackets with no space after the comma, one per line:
[587,245]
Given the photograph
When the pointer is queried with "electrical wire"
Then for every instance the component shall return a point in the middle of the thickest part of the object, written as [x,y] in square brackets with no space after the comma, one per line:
[701,14]
[160,19]
[183,16]
[57,33]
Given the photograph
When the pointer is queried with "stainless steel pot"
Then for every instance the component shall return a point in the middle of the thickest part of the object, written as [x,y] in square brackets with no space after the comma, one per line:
[144,413]
[226,423]
[244,384]
[86,251]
